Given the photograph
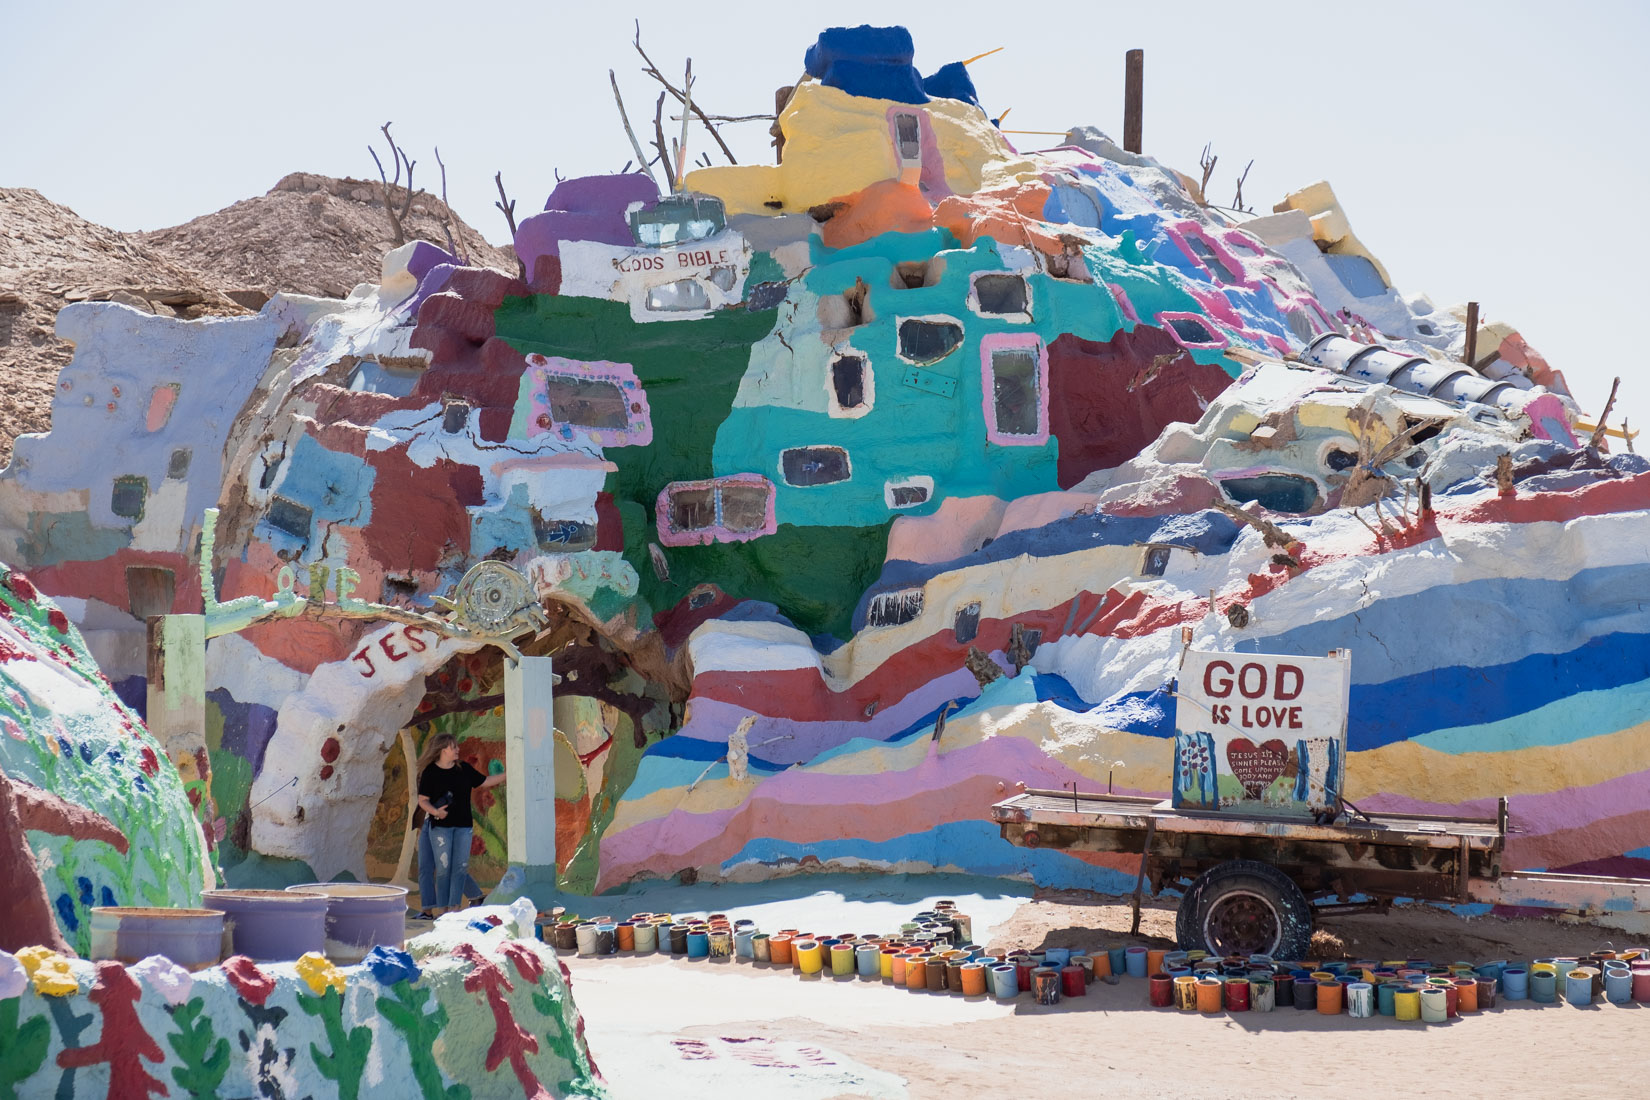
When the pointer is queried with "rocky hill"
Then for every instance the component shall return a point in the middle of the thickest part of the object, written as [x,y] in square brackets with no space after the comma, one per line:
[309,235]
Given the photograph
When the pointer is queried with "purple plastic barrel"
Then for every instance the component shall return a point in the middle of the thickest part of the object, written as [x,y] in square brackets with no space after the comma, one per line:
[271,925]
[360,916]
[192,938]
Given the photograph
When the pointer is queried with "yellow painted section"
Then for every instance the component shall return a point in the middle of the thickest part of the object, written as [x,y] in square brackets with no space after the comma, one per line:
[837,144]
[1329,225]
[314,969]
[1431,776]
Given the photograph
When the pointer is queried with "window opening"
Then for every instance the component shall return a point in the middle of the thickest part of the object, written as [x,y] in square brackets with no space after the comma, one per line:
[1339,460]
[740,507]
[745,507]
[1193,332]
[701,598]
[850,309]
[128,497]
[894,608]
[564,536]
[966,626]
[848,380]
[693,509]
[291,517]
[803,466]
[177,467]
[149,590]
[908,136]
[677,219]
[371,376]
[928,341]
[1014,391]
[682,296]
[1001,293]
[1279,492]
[1156,562]
[908,495]
[1202,251]
[587,402]
[455,416]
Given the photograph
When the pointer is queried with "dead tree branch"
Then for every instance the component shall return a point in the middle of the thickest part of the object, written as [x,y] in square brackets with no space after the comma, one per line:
[1271,534]
[681,97]
[398,157]
[1237,203]
[1207,162]
[624,117]
[447,213]
[659,141]
[1598,432]
[507,206]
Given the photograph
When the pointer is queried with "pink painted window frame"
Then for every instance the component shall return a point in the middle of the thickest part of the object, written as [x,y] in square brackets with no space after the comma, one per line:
[542,368]
[1181,230]
[704,536]
[1220,342]
[1019,341]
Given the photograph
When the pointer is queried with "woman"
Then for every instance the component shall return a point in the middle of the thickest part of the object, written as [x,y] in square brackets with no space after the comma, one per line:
[444,786]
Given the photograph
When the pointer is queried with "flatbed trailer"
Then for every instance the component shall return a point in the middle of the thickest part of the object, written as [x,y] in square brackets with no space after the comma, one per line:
[1253,884]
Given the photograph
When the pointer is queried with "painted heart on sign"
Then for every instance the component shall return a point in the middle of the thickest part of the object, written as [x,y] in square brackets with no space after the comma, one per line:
[1256,765]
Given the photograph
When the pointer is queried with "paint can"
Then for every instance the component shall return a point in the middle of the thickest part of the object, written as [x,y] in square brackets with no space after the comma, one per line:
[1578,985]
[1434,1005]
[780,949]
[1101,961]
[916,971]
[1023,966]
[192,938]
[1135,960]
[1360,1000]
[1406,1003]
[1515,983]
[1543,984]
[1329,998]
[1056,957]
[1045,985]
[607,939]
[1618,984]
[810,957]
[678,939]
[1262,994]
[1117,956]
[1386,998]
[1237,994]
[1154,961]
[1185,993]
[646,938]
[938,972]
[1087,963]
[1306,994]
[954,973]
[1005,983]
[842,959]
[698,944]
[624,935]
[867,960]
[721,943]
[744,943]
[1160,992]
[1210,992]
[564,935]
[1466,994]
[1283,990]
[586,938]
[974,979]
[1641,982]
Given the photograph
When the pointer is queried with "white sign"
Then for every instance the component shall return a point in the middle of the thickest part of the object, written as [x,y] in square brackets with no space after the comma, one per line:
[1261,733]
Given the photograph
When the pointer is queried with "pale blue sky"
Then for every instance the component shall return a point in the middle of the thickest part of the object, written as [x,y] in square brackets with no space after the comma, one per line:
[1482,150]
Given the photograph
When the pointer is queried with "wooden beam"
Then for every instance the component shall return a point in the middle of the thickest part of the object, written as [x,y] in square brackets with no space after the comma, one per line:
[1471,353]
[1134,87]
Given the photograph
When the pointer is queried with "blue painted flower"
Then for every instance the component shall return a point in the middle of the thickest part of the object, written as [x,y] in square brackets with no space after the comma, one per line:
[86,752]
[391,965]
[137,781]
[109,898]
[65,909]
[85,886]
[480,926]
[115,755]
[68,749]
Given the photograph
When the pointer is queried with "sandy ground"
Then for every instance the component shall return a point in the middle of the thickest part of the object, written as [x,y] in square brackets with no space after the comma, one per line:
[659,1026]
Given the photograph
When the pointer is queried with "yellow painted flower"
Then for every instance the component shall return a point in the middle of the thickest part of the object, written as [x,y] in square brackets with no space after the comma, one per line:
[314,968]
[50,972]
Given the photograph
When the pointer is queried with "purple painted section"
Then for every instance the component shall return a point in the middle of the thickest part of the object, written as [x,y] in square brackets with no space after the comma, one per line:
[247,727]
[590,208]
[809,739]
[426,257]
[431,282]
[1538,814]
[271,925]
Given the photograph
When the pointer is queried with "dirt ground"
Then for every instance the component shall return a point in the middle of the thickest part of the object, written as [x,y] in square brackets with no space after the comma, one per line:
[659,1026]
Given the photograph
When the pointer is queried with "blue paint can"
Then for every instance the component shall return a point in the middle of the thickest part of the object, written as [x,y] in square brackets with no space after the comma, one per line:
[1544,987]
[1386,998]
[1515,983]
[1057,956]
[1135,959]
[1119,964]
[698,945]
[1618,983]
[1005,982]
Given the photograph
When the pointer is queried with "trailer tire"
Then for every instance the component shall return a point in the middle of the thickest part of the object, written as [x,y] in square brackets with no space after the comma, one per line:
[1245,907]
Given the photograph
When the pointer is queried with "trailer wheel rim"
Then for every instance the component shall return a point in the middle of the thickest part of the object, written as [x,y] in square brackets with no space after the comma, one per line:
[1243,922]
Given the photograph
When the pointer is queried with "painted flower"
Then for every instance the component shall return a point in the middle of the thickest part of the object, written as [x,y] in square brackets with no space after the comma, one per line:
[23,587]
[147,761]
[165,977]
[66,912]
[13,728]
[49,971]
[314,969]
[13,978]
[59,621]
[390,965]
[253,984]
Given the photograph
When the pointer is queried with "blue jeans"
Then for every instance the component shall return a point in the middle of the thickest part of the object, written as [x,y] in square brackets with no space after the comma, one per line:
[448,867]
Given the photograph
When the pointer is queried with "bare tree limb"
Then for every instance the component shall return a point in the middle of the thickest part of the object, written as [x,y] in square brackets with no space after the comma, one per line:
[1271,534]
[681,97]
[507,207]
[624,117]
[385,186]
[1598,432]
[732,118]
[659,140]
[1237,203]
[682,149]
[1207,162]
[447,213]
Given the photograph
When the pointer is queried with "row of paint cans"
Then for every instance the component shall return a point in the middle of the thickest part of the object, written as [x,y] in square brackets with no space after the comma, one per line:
[713,937]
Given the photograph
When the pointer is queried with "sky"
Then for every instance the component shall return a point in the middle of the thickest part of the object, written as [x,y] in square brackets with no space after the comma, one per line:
[1482,150]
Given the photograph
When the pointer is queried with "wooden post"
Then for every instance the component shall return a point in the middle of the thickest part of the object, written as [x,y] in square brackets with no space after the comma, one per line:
[1472,334]
[781,97]
[1134,89]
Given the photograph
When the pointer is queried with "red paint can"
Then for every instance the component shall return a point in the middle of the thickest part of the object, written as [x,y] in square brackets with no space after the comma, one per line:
[1161,991]
[1237,995]
[1452,1001]
[1072,981]
[1023,966]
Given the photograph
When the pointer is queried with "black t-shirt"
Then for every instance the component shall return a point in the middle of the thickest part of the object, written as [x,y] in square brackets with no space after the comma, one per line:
[450,788]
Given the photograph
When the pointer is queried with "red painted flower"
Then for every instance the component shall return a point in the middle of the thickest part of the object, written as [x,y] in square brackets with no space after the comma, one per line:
[251,983]
[148,762]
[23,587]
[476,846]
[330,748]
[326,771]
[59,621]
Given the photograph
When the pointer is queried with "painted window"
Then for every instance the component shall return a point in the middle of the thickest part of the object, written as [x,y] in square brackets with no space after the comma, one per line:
[1156,561]
[371,376]
[922,340]
[563,536]
[177,467]
[850,309]
[1015,381]
[804,466]
[1002,295]
[597,402]
[455,417]
[290,516]
[719,509]
[677,219]
[908,492]
[1291,493]
[848,381]
[965,627]
[682,296]
[894,608]
[1204,254]
[128,497]
[1191,330]
[908,138]
[915,274]
[587,402]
